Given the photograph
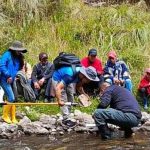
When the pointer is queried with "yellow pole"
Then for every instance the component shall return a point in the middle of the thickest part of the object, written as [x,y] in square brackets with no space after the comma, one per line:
[28,104]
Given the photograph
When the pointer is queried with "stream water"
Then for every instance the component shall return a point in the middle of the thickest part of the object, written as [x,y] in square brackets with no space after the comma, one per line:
[76,142]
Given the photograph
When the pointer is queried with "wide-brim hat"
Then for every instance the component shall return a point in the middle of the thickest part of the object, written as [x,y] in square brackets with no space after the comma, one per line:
[18,46]
[90,73]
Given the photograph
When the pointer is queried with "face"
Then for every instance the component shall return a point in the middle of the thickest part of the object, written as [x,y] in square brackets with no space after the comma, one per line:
[44,61]
[83,79]
[113,60]
[148,75]
[92,58]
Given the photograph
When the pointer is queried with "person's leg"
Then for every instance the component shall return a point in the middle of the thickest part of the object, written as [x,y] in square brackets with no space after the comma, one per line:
[128,84]
[143,95]
[64,109]
[48,96]
[112,116]
[70,95]
[10,95]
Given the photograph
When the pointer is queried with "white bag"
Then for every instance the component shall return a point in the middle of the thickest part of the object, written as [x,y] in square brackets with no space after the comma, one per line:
[1,95]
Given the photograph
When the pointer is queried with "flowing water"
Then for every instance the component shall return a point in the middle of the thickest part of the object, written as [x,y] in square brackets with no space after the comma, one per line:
[76,142]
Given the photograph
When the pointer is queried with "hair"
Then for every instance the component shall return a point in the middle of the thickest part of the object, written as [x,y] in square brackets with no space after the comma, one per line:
[104,85]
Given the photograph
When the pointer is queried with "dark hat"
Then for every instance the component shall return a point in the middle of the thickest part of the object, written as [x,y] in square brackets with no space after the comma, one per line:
[92,52]
[90,73]
[18,46]
[43,56]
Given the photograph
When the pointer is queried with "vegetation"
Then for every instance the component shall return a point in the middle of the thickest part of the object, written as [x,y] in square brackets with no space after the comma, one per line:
[69,25]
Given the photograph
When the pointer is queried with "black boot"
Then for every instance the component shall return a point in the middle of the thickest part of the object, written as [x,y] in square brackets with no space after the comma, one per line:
[105,132]
[128,133]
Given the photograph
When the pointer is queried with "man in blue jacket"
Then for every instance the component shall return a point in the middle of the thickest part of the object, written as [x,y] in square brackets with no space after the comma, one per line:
[124,110]
[10,63]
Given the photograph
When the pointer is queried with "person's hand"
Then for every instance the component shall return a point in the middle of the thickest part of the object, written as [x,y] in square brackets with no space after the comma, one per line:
[61,103]
[36,85]
[116,81]
[9,80]
[121,82]
[41,81]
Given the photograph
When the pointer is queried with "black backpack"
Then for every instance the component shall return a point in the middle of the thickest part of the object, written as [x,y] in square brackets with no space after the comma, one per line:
[66,59]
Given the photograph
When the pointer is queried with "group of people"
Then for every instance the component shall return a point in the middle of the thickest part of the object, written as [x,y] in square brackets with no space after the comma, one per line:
[112,83]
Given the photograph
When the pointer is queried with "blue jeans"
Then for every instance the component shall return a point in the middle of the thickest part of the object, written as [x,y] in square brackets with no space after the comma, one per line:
[116,117]
[128,84]
[8,90]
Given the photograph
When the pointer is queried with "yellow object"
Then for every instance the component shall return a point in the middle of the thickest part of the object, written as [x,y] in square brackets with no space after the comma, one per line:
[6,113]
[13,114]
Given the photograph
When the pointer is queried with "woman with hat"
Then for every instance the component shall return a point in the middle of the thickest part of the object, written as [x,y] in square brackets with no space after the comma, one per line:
[144,87]
[10,63]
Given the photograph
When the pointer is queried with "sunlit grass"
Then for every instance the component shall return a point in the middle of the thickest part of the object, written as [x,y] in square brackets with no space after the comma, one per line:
[69,25]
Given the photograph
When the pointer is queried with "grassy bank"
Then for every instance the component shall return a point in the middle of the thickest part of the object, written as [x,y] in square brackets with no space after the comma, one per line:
[69,25]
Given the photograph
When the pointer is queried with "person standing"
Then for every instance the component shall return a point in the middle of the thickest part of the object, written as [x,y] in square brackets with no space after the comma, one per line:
[10,63]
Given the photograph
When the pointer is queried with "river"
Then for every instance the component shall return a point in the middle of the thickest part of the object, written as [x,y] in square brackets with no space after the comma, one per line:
[76,142]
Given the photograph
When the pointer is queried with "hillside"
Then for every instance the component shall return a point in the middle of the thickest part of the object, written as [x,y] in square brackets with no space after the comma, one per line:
[70,25]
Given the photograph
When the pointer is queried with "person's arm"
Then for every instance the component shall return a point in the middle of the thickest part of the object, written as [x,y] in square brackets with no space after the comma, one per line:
[48,74]
[34,74]
[59,87]
[3,64]
[80,89]
[105,100]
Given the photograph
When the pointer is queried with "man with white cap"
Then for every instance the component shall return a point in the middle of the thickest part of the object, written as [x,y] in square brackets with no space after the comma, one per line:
[64,77]
[10,63]
[144,88]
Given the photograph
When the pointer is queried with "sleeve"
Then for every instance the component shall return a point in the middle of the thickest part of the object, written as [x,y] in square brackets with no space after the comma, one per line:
[125,71]
[34,74]
[105,100]
[50,73]
[99,67]
[143,83]
[3,65]
[107,72]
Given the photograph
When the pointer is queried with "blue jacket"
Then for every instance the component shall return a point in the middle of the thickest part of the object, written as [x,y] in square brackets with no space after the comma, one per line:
[9,66]
[118,70]
[121,99]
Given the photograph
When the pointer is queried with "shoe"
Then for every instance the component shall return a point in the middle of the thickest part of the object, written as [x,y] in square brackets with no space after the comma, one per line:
[128,133]
[145,107]
[68,123]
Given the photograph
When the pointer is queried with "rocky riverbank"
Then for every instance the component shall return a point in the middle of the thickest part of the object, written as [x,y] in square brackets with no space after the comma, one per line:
[51,125]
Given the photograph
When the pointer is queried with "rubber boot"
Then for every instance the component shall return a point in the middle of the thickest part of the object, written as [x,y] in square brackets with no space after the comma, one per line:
[13,114]
[6,113]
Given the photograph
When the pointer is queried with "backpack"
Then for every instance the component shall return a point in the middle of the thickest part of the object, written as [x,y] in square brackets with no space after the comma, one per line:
[66,59]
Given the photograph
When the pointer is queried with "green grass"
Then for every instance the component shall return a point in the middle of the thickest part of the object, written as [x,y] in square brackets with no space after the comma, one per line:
[71,26]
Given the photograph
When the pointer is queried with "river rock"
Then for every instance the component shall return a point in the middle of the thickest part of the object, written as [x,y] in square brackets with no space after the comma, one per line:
[24,121]
[34,128]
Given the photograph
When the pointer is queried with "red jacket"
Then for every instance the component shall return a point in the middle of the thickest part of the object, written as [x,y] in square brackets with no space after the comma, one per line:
[97,64]
[145,83]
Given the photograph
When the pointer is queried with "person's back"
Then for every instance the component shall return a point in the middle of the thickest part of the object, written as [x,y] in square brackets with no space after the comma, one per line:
[124,110]
[122,99]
